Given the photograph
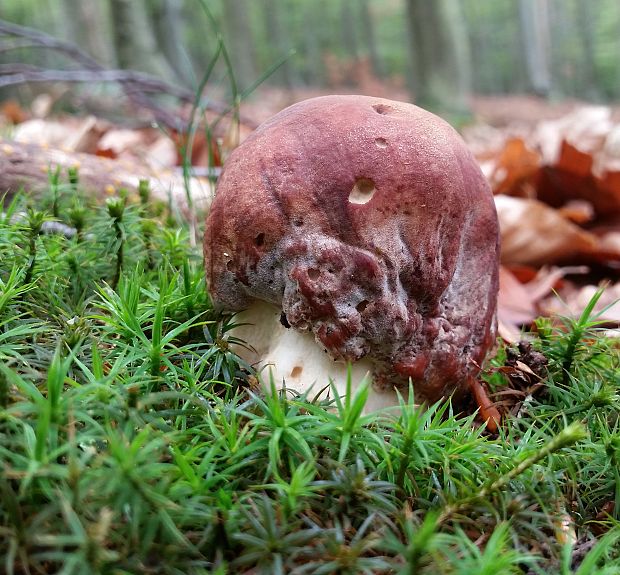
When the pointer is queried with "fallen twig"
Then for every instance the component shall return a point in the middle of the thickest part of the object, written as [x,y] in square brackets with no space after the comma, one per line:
[135,84]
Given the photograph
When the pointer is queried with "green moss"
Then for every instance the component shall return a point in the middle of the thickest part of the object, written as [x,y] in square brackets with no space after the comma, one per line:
[133,441]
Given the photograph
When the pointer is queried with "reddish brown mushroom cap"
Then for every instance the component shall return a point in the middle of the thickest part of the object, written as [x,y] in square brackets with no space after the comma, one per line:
[369,222]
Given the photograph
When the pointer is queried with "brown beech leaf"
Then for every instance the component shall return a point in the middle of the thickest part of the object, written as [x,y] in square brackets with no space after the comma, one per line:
[518,301]
[573,178]
[12,112]
[577,211]
[515,306]
[534,234]
[608,186]
[118,140]
[585,128]
[66,134]
[205,152]
[515,168]
[581,157]
[146,146]
[574,161]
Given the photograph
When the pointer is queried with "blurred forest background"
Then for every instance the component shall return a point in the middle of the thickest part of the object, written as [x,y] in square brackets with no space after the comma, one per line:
[437,53]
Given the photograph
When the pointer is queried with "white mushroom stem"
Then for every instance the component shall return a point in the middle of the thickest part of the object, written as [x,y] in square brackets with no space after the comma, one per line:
[297,361]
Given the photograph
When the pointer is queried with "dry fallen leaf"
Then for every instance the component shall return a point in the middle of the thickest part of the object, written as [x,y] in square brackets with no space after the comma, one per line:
[116,141]
[12,112]
[68,134]
[515,307]
[143,145]
[515,168]
[577,211]
[574,177]
[532,233]
[581,157]
[576,157]
[585,128]
[518,301]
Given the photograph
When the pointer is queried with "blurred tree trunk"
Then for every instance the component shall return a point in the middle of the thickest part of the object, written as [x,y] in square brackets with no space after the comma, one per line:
[534,19]
[563,71]
[240,41]
[134,40]
[86,24]
[49,17]
[312,36]
[278,42]
[168,18]
[483,76]
[586,36]
[348,29]
[369,41]
[440,53]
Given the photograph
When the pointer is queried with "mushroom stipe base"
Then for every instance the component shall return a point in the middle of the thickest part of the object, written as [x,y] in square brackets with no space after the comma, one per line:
[294,359]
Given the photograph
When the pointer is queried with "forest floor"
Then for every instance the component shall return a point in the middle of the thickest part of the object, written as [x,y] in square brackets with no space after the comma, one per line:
[496,110]
[133,440]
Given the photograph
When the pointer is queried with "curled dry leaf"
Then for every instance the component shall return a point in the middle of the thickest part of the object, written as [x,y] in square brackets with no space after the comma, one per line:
[515,306]
[578,176]
[488,412]
[577,211]
[116,141]
[515,169]
[68,134]
[147,146]
[581,157]
[535,234]
[518,301]
[586,128]
[12,112]
[576,157]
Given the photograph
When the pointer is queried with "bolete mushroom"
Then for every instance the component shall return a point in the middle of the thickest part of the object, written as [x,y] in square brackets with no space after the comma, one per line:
[357,229]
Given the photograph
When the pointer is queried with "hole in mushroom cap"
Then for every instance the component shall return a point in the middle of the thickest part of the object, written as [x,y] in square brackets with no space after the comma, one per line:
[383,109]
[296,371]
[230,266]
[362,191]
[313,273]
[381,142]
[361,306]
[284,320]
[259,240]
[298,222]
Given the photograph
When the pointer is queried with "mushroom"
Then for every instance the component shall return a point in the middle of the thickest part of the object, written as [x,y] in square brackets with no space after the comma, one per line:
[359,230]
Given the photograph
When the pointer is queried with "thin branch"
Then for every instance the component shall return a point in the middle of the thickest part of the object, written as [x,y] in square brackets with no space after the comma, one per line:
[135,84]
[47,41]
[44,40]
[15,44]
[11,74]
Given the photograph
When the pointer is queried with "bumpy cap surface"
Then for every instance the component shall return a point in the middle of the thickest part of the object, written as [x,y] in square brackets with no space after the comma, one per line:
[369,222]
